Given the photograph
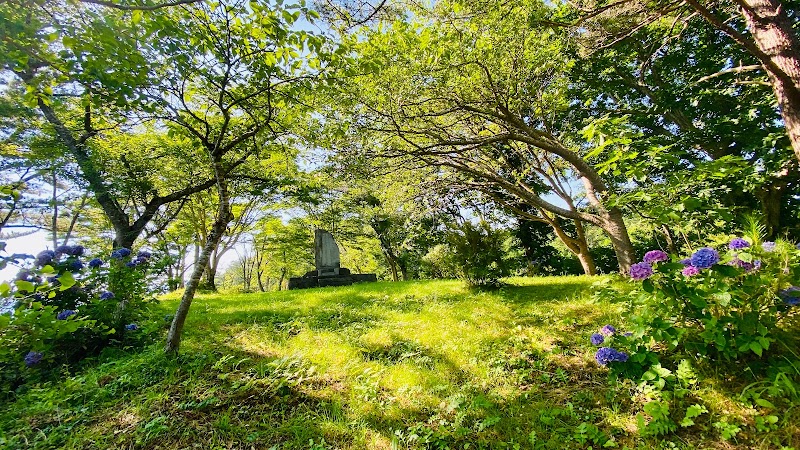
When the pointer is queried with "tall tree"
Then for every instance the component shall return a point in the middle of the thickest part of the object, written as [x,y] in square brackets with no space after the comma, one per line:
[236,75]
[476,91]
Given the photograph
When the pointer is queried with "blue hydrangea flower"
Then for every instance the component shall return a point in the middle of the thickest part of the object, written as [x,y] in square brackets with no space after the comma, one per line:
[143,254]
[131,327]
[120,253]
[76,265]
[606,355]
[597,339]
[45,257]
[654,256]
[790,295]
[64,250]
[686,261]
[768,246]
[24,275]
[132,264]
[608,330]
[641,271]
[77,250]
[107,295]
[33,358]
[705,258]
[738,244]
[66,313]
[95,263]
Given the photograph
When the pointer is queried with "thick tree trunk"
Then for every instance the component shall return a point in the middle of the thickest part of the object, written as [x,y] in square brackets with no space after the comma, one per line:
[585,258]
[221,221]
[615,229]
[772,31]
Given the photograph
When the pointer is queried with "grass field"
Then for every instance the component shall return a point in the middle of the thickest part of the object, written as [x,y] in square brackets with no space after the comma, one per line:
[424,364]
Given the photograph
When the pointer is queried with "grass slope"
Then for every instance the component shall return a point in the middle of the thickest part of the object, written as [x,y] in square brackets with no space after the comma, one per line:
[423,364]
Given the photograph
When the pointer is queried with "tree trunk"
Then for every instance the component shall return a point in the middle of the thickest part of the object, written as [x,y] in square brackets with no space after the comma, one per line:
[585,258]
[392,266]
[615,229]
[55,210]
[210,277]
[280,281]
[259,274]
[403,271]
[772,31]
[221,221]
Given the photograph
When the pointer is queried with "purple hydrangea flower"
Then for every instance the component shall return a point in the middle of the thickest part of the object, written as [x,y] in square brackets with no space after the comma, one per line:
[597,339]
[705,258]
[131,327]
[768,246]
[641,271]
[606,355]
[790,295]
[143,254]
[77,250]
[45,257]
[33,358]
[690,271]
[107,295]
[686,261]
[738,244]
[608,330]
[66,313]
[747,266]
[120,253]
[654,256]
[95,263]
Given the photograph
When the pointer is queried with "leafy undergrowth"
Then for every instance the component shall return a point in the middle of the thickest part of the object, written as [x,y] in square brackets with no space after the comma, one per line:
[428,364]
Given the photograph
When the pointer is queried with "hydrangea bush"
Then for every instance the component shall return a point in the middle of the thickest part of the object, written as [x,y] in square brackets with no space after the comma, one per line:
[719,303]
[728,305]
[59,309]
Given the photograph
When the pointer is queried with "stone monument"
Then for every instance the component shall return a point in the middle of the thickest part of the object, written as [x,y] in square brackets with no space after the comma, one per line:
[329,270]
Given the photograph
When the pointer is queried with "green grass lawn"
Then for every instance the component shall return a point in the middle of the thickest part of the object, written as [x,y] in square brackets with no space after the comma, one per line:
[424,364]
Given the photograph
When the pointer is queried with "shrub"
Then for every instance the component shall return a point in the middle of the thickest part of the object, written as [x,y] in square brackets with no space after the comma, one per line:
[60,309]
[721,305]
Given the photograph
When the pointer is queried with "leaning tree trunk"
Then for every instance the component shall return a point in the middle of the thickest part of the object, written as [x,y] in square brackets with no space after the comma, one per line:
[221,221]
[585,258]
[615,229]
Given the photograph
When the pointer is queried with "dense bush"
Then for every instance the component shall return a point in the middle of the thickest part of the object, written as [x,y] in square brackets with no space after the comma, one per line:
[730,309]
[60,309]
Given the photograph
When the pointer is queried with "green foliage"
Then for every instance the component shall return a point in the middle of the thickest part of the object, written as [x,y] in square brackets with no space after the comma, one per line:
[66,311]
[731,311]
[478,253]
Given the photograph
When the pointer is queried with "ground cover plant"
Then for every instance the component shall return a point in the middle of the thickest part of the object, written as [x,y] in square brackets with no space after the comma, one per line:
[421,364]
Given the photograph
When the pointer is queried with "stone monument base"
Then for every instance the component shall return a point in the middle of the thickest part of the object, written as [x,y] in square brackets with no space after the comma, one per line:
[345,278]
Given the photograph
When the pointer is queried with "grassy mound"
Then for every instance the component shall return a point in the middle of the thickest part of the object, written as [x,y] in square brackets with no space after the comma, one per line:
[425,364]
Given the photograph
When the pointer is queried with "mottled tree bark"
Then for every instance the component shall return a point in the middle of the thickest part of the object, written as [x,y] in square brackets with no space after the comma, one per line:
[775,44]
[779,48]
